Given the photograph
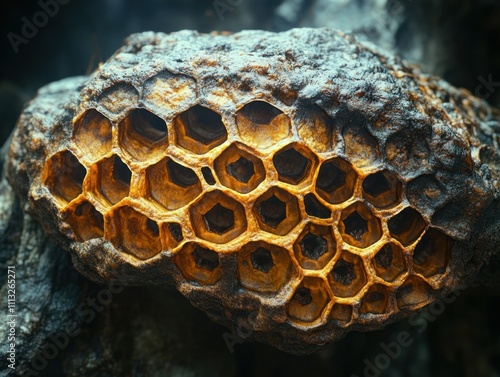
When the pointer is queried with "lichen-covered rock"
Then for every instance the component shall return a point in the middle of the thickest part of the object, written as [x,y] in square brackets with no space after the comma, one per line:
[297,185]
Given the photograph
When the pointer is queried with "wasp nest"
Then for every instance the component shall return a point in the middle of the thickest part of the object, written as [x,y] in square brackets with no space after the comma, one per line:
[297,185]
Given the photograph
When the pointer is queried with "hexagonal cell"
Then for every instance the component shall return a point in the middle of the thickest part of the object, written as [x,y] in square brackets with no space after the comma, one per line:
[87,223]
[314,208]
[336,180]
[218,218]
[348,275]
[134,233]
[262,125]
[294,163]
[207,174]
[414,292]
[92,133]
[432,253]
[143,134]
[382,189]
[309,300]
[199,129]
[316,128]
[341,313]
[407,226]
[64,176]
[199,263]
[360,146]
[173,233]
[315,247]
[239,169]
[359,226]
[171,184]
[109,180]
[375,300]
[389,262]
[264,268]
[277,211]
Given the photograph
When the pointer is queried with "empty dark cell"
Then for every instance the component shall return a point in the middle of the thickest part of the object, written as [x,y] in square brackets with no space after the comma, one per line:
[330,178]
[121,172]
[303,296]
[424,250]
[343,272]
[72,168]
[405,221]
[313,246]
[148,125]
[219,219]
[153,227]
[315,208]
[205,258]
[181,175]
[207,174]
[291,164]
[176,231]
[262,260]
[272,211]
[376,184]
[384,257]
[372,297]
[241,169]
[260,112]
[355,226]
[203,125]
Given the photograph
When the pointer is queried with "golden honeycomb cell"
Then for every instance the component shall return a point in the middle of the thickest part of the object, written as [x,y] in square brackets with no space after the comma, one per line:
[199,264]
[199,129]
[348,275]
[238,169]
[414,292]
[359,226]
[109,180]
[277,211]
[382,189]
[264,268]
[294,164]
[309,300]
[171,184]
[375,300]
[315,247]
[174,234]
[218,218]
[341,313]
[406,226]
[64,176]
[134,233]
[336,180]
[432,253]
[93,134]
[316,129]
[87,223]
[143,134]
[389,262]
[262,125]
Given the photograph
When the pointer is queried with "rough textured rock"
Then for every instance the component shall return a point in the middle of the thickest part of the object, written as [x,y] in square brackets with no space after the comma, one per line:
[373,188]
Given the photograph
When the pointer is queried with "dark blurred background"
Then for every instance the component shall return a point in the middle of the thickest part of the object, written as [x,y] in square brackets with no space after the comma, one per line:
[456,39]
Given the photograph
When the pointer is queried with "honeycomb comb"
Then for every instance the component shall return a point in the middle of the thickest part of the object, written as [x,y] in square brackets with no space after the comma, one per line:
[300,184]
